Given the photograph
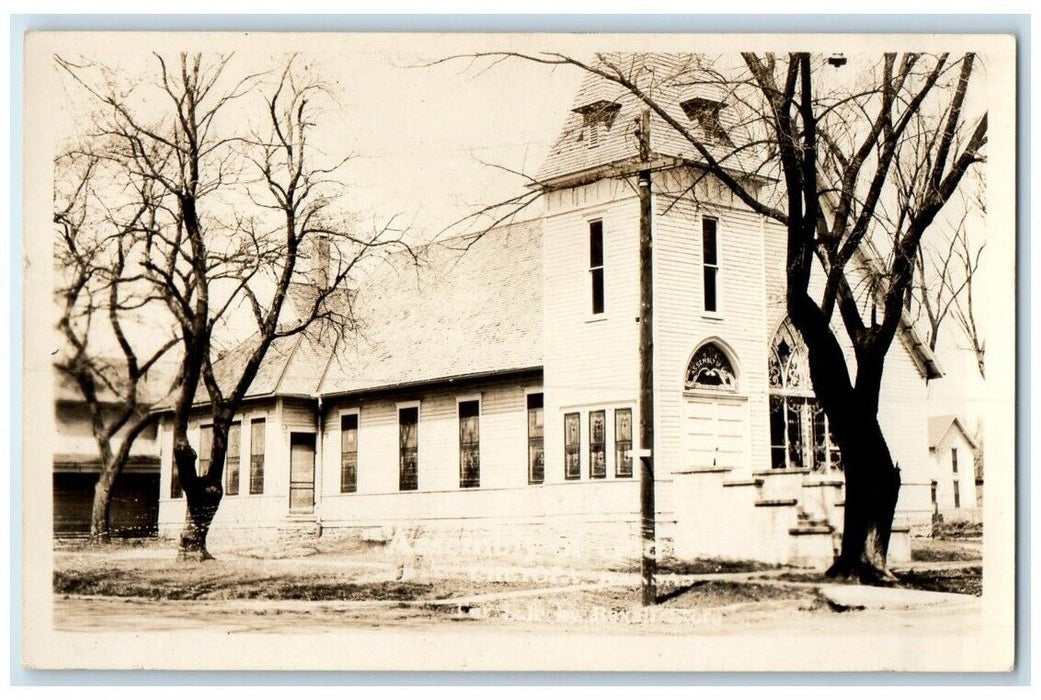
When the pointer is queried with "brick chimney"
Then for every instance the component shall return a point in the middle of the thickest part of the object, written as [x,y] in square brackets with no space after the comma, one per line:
[317,262]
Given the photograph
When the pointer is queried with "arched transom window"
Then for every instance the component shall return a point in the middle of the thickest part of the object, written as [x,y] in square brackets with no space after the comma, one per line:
[800,437]
[710,368]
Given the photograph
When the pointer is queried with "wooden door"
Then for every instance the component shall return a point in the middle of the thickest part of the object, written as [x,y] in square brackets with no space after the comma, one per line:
[301,472]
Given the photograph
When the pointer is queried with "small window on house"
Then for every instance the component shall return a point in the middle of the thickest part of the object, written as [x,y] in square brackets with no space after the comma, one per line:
[572,446]
[596,265]
[257,436]
[536,447]
[205,449]
[957,495]
[597,119]
[623,443]
[234,458]
[408,448]
[954,460]
[469,444]
[597,444]
[349,453]
[710,264]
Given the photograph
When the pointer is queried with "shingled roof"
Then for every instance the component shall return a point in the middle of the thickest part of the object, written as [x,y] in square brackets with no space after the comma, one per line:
[472,306]
[671,80]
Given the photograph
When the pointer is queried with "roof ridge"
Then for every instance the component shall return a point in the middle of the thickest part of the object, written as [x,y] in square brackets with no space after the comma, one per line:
[289,358]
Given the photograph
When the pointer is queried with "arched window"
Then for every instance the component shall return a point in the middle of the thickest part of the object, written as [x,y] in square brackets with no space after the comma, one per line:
[710,368]
[800,437]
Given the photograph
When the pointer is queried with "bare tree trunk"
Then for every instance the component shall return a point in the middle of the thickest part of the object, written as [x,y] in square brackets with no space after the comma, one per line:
[872,489]
[100,514]
[203,494]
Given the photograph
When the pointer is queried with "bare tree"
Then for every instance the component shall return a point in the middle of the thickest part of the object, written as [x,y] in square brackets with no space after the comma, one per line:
[96,282]
[864,167]
[243,201]
[944,272]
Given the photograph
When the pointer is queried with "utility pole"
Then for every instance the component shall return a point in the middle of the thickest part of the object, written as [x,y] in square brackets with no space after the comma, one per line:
[648,559]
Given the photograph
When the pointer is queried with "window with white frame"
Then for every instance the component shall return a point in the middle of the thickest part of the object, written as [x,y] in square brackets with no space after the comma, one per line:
[469,444]
[349,453]
[572,446]
[597,444]
[408,448]
[536,445]
[623,443]
[800,434]
[257,436]
[710,264]
[596,266]
[234,458]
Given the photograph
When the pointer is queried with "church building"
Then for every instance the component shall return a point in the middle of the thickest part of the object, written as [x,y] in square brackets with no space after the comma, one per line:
[488,397]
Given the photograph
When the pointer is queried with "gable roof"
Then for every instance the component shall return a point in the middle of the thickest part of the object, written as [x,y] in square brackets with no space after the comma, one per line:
[669,79]
[473,306]
[939,426]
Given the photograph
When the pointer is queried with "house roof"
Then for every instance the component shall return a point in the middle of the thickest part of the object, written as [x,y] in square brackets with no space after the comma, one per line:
[939,426]
[670,79]
[473,306]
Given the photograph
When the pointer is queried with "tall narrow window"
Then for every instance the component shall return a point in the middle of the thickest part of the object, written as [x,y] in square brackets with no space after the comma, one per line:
[205,448]
[536,448]
[623,443]
[954,460]
[234,458]
[469,444]
[597,444]
[257,436]
[957,495]
[349,453]
[408,446]
[710,263]
[572,446]
[596,264]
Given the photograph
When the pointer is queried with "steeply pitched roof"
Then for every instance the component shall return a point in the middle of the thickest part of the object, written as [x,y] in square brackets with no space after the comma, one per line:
[472,306]
[939,426]
[670,79]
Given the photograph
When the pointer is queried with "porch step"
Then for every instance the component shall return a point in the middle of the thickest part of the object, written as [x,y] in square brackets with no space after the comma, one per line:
[776,502]
[821,529]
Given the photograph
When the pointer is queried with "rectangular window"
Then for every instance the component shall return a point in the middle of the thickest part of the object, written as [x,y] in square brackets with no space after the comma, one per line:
[234,458]
[710,263]
[596,264]
[778,439]
[349,453]
[408,448]
[572,446]
[957,495]
[257,436]
[205,449]
[623,443]
[536,449]
[469,444]
[954,460]
[597,445]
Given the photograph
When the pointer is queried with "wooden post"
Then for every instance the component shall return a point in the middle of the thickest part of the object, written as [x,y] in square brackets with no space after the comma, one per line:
[648,559]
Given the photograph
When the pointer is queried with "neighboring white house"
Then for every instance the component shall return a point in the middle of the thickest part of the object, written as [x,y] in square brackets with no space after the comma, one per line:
[953,450]
[76,465]
[489,398]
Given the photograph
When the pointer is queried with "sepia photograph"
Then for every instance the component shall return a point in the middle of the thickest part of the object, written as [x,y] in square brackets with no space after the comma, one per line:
[533,352]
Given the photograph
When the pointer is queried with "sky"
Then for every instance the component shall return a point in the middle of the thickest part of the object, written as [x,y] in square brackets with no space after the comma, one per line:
[425,139]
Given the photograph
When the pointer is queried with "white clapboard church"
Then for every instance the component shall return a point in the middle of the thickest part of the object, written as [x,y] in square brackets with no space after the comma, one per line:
[489,398]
